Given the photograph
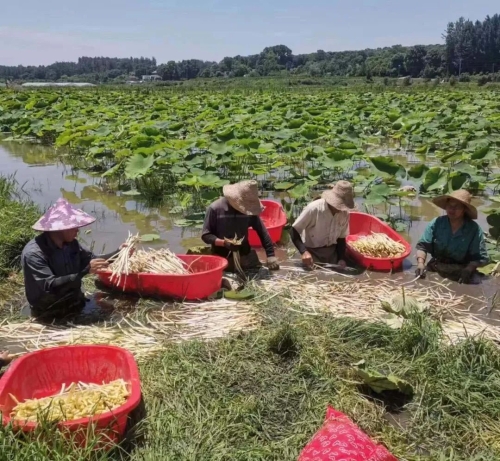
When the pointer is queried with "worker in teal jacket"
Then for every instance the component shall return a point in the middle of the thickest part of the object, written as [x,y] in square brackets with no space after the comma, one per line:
[455,241]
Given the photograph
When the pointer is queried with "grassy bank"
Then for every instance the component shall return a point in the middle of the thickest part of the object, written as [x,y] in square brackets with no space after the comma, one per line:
[261,395]
[16,218]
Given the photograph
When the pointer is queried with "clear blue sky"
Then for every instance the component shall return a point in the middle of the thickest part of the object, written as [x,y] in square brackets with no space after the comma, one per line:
[43,31]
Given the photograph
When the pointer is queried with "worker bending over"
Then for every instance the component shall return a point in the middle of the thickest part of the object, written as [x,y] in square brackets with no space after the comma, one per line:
[320,231]
[231,216]
[455,241]
[54,263]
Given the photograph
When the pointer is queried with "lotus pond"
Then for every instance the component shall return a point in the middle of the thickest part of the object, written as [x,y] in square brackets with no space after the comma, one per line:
[150,161]
[175,149]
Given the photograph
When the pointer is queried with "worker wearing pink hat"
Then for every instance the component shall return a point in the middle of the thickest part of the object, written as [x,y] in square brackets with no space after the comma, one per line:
[54,263]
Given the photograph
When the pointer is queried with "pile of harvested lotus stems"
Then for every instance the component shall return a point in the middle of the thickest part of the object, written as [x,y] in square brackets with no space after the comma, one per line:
[378,246]
[78,400]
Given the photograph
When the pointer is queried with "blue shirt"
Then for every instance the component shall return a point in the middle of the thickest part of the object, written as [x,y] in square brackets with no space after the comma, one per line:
[466,245]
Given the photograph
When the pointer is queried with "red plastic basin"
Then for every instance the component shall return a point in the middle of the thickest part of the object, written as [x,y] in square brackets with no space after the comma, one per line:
[205,280]
[42,373]
[274,219]
[362,224]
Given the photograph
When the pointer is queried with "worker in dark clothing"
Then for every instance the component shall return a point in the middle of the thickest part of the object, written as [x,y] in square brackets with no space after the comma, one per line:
[231,216]
[54,263]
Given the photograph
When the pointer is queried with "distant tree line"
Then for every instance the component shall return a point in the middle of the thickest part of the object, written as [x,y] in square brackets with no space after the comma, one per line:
[470,48]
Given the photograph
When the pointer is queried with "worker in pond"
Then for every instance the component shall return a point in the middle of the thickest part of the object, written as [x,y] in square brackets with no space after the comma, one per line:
[230,217]
[54,263]
[455,241]
[320,232]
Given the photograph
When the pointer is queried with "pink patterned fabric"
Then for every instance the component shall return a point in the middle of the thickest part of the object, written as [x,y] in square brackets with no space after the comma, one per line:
[63,216]
[341,440]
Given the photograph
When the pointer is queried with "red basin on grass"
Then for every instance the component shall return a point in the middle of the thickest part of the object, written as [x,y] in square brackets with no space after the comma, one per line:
[42,373]
[274,219]
[205,280]
[362,224]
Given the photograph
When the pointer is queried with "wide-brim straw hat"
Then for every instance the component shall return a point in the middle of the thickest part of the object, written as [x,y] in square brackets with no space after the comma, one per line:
[63,216]
[340,196]
[244,197]
[462,196]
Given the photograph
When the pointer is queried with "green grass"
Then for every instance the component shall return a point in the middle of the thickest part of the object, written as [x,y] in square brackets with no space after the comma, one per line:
[16,219]
[263,394]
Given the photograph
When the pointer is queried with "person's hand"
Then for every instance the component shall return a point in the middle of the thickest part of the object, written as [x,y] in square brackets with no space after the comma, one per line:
[272,264]
[125,245]
[466,274]
[5,357]
[232,247]
[307,259]
[97,265]
[421,270]
[342,264]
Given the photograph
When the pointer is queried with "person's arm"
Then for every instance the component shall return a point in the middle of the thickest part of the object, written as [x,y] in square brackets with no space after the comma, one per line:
[341,240]
[264,236]
[424,245]
[478,255]
[302,223]
[297,240]
[208,234]
[36,265]
[341,249]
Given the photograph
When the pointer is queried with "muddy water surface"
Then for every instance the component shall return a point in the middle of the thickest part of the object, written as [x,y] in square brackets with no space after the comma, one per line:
[44,179]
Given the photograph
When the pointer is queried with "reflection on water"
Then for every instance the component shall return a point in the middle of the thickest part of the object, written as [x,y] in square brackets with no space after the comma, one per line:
[45,179]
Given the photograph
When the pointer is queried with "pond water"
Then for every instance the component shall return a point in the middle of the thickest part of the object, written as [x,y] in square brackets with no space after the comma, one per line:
[44,179]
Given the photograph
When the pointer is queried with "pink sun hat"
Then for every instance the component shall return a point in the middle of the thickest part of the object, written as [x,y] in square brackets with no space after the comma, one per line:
[63,216]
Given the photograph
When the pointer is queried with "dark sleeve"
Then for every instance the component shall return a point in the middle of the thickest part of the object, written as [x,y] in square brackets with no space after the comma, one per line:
[425,242]
[208,234]
[297,240]
[477,250]
[264,236]
[2,363]
[341,247]
[36,266]
[85,257]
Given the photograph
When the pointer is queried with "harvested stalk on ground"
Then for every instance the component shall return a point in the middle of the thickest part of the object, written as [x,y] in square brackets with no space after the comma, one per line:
[378,246]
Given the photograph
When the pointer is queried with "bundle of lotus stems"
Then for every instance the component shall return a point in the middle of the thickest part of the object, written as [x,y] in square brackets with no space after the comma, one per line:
[378,246]
[130,261]
[236,255]
[78,400]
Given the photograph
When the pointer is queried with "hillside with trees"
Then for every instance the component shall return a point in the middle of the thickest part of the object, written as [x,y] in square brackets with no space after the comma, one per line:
[469,48]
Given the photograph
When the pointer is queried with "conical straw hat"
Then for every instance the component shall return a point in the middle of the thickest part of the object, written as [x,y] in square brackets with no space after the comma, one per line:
[244,197]
[340,196]
[462,196]
[63,216]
